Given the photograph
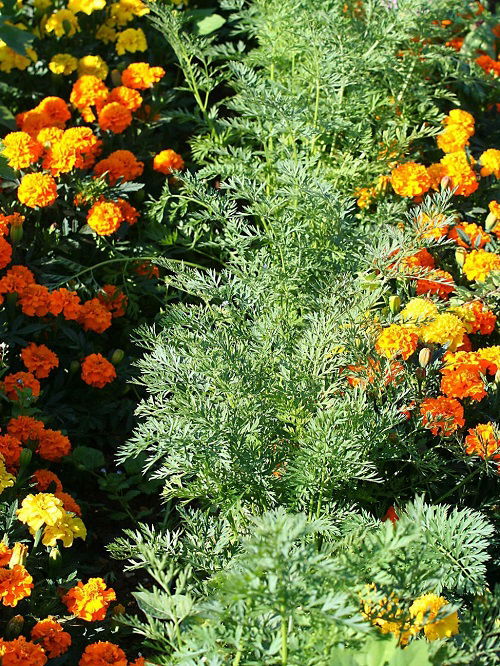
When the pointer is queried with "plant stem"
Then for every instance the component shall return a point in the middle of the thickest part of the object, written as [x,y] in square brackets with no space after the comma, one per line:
[284,637]
[459,485]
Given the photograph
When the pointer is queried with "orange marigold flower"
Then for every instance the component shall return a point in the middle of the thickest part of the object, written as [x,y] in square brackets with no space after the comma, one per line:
[35,300]
[127,97]
[37,190]
[5,554]
[20,381]
[494,207]
[490,358]
[410,180]
[463,381]
[10,450]
[25,428]
[436,173]
[490,162]
[33,121]
[113,300]
[21,652]
[88,91]
[421,259]
[469,235]
[39,360]
[68,502]
[16,280]
[481,320]
[395,341]
[5,253]
[436,282]
[6,221]
[146,269]
[432,228]
[120,164]
[167,161]
[103,653]
[105,217]
[97,371]
[66,302]
[456,43]
[85,145]
[20,149]
[56,109]
[462,177]
[89,601]
[53,445]
[489,65]
[140,75]
[453,138]
[94,316]
[130,214]
[442,416]
[15,584]
[115,117]
[47,481]
[484,441]
[479,264]
[50,635]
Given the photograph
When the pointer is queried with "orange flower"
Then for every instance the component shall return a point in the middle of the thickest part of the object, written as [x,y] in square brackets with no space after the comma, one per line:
[97,371]
[35,300]
[469,235]
[47,481]
[483,440]
[410,180]
[88,91]
[453,138]
[146,269]
[16,280]
[490,162]
[113,300]
[20,149]
[115,117]
[436,173]
[436,282]
[85,145]
[105,217]
[89,601]
[66,302]
[39,360]
[421,259]
[442,416]
[50,635]
[94,316]
[5,554]
[103,653]
[15,584]
[15,383]
[5,253]
[140,75]
[25,428]
[490,358]
[6,221]
[463,381]
[37,189]
[396,341]
[10,450]
[168,161]
[479,264]
[456,166]
[21,652]
[119,164]
[127,97]
[55,109]
[32,122]
[129,213]
[489,65]
[68,502]
[53,445]
[481,319]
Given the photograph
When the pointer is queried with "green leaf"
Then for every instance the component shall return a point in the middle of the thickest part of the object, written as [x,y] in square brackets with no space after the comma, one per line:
[209,24]
[86,457]
[151,604]
[5,170]
[6,118]
[17,39]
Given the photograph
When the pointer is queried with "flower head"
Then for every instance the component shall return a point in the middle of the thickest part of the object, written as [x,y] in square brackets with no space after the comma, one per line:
[484,441]
[18,382]
[39,360]
[37,190]
[140,75]
[39,510]
[103,653]
[442,416]
[479,264]
[395,341]
[50,636]
[131,41]
[167,161]
[63,23]
[20,150]
[410,180]
[97,371]
[15,584]
[425,610]
[89,601]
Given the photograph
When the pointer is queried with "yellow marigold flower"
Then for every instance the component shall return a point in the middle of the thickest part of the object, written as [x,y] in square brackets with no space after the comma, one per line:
[460,117]
[418,312]
[6,479]
[479,264]
[457,167]
[105,33]
[41,509]
[396,341]
[94,65]
[20,149]
[410,179]
[494,207]
[425,610]
[124,11]
[386,615]
[63,64]
[131,41]
[10,60]
[62,23]
[490,163]
[453,138]
[446,329]
[37,189]
[86,6]
[66,530]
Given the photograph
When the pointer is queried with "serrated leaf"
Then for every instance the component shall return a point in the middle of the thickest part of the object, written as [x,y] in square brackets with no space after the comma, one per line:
[209,24]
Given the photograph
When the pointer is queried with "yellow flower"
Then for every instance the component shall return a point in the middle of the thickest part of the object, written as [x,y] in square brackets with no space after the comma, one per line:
[62,23]
[418,312]
[106,33]
[10,60]
[42,5]
[131,40]
[490,162]
[63,63]
[425,609]
[66,530]
[94,65]
[41,509]
[124,11]
[6,479]
[86,6]
[445,329]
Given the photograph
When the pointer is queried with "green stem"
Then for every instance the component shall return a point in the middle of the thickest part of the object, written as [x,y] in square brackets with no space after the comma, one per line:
[459,485]
[284,637]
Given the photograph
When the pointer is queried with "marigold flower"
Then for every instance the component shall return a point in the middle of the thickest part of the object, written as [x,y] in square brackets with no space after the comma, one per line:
[5,554]
[25,428]
[39,360]
[113,300]
[119,164]
[94,316]
[436,173]
[129,213]
[46,480]
[105,33]
[479,264]
[127,97]
[39,510]
[56,109]
[124,11]
[421,259]
[484,441]
[140,75]
[17,382]
[463,381]
[89,601]
[476,317]
[462,118]
[66,530]
[494,207]
[167,161]
[69,503]
[456,166]
[20,150]
[410,180]
[436,282]
[65,302]
[490,162]
[425,610]
[418,312]
[131,41]
[105,217]
[47,136]
[97,371]
[88,91]
[63,64]
[442,416]
[489,65]
[21,652]
[53,445]
[86,6]
[432,228]
[35,300]
[10,60]
[16,280]
[5,253]
[10,450]
[386,614]
[396,341]
[445,329]
[489,357]
[469,235]
[453,138]
[37,189]
[63,23]
[15,584]
[146,269]
[50,636]
[114,117]
[8,221]
[6,481]
[103,653]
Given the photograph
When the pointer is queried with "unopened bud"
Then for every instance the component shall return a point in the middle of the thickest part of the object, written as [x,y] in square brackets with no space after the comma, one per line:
[119,609]
[16,233]
[445,182]
[424,357]
[118,356]
[14,627]
[420,373]
[55,559]
[74,367]
[394,303]
[460,255]
[491,222]
[497,377]
[25,457]
[116,77]
[19,555]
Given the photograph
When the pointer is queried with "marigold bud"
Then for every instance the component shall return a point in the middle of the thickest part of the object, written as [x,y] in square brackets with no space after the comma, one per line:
[424,357]
[19,555]
[497,377]
[74,367]
[25,457]
[460,256]
[116,77]
[420,373]
[445,182]
[394,303]
[16,234]
[491,222]
[14,627]
[118,356]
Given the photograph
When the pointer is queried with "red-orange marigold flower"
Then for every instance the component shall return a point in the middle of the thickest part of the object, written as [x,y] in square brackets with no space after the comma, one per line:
[35,300]
[56,109]
[484,441]
[115,117]
[88,91]
[66,302]
[119,164]
[37,190]
[167,161]
[14,383]
[436,282]
[53,445]
[89,601]
[469,235]
[5,554]
[50,635]
[113,300]
[442,416]
[94,316]
[463,381]
[16,280]
[68,502]
[10,450]
[103,653]
[21,652]
[140,75]
[25,428]
[39,360]
[129,213]
[5,253]
[15,584]
[47,481]
[97,371]
[126,97]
